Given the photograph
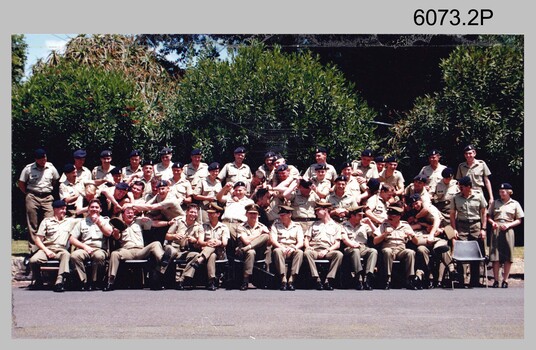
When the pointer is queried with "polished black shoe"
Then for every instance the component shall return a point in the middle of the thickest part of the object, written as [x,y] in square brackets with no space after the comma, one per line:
[88,287]
[211,286]
[290,287]
[319,286]
[37,285]
[328,286]
[283,286]
[387,286]
[504,284]
[411,286]
[59,288]
[369,282]
[495,284]
[179,285]
[431,285]
[367,285]
[358,285]
[440,284]
[244,286]
[165,258]
[196,265]
[108,288]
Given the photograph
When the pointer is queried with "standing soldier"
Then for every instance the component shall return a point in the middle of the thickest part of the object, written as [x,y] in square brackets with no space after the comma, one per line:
[101,173]
[433,170]
[237,171]
[365,169]
[195,171]
[37,181]
[321,155]
[162,170]
[134,171]
[477,170]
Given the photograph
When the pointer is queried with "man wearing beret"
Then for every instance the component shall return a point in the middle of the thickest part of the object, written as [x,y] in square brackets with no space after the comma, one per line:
[418,186]
[352,185]
[303,200]
[468,217]
[37,181]
[179,186]
[365,168]
[321,155]
[83,174]
[162,170]
[70,188]
[444,190]
[147,167]
[196,170]
[342,201]
[207,189]
[322,241]
[115,198]
[164,205]
[477,170]
[101,173]
[390,175]
[237,170]
[51,239]
[432,171]
[134,170]
[264,172]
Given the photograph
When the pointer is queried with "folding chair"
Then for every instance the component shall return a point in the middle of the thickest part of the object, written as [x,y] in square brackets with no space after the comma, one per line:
[465,252]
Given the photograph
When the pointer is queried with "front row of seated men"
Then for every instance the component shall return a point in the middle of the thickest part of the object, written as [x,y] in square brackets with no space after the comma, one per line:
[369,250]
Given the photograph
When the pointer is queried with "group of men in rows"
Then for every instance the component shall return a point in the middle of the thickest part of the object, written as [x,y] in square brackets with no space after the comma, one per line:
[363,215]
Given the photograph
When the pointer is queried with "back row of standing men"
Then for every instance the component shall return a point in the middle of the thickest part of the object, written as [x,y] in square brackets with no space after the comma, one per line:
[368,185]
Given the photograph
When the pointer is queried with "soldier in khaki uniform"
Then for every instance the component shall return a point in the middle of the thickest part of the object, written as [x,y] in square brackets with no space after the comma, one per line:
[322,241]
[162,170]
[342,201]
[355,234]
[70,189]
[196,170]
[365,169]
[321,155]
[445,189]
[237,171]
[433,170]
[83,174]
[51,239]
[179,186]
[213,242]
[37,181]
[253,238]
[207,189]
[128,231]
[392,236]
[90,240]
[477,170]
[286,238]
[134,171]
[101,173]
[468,217]
[303,200]
[181,244]
[505,214]
[390,175]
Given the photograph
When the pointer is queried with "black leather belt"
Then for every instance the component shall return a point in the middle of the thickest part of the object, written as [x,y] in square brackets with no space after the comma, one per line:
[303,219]
[40,194]
[233,220]
[470,222]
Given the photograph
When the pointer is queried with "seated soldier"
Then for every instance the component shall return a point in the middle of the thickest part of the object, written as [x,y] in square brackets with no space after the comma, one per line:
[51,239]
[322,241]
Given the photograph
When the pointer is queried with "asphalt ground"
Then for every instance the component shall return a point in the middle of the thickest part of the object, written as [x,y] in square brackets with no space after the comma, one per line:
[270,315]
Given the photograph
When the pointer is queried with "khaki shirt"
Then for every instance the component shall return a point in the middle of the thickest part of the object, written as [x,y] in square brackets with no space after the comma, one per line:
[322,236]
[39,180]
[476,172]
[323,186]
[208,188]
[171,206]
[331,173]
[425,195]
[286,236]
[181,189]
[246,230]
[506,212]
[86,231]
[398,237]
[97,173]
[359,233]
[216,232]
[68,189]
[434,176]
[180,226]
[346,201]
[132,237]
[235,210]
[83,175]
[304,207]
[444,192]
[369,172]
[195,176]
[163,173]
[127,172]
[377,205]
[54,232]
[396,180]
[468,209]
[233,173]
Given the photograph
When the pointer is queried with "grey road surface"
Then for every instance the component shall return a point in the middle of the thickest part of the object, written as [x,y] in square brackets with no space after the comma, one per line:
[477,313]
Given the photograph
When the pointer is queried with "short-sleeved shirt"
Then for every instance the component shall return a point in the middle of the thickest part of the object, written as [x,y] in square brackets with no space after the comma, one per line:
[331,173]
[88,232]
[162,172]
[82,175]
[398,238]
[433,176]
[468,209]
[54,232]
[353,188]
[432,215]
[195,176]
[476,172]
[246,230]
[40,180]
[286,236]
[68,189]
[208,188]
[378,206]
[127,172]
[323,235]
[506,212]
[425,195]
[347,201]
[304,206]
[181,226]
[132,236]
[396,180]
[235,210]
[98,173]
[323,186]
[359,233]
[171,206]
[181,189]
[217,232]
[369,172]
[444,192]
[233,173]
